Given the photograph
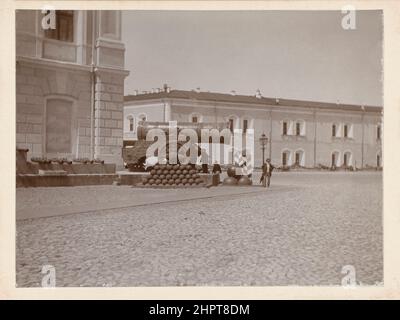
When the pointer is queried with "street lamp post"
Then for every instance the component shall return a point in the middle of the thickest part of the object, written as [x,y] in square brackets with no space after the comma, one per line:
[263,142]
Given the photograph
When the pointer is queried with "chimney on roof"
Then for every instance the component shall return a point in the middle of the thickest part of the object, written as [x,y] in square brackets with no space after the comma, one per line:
[277,100]
[258,94]
[153,90]
[198,89]
[135,92]
[233,93]
[159,90]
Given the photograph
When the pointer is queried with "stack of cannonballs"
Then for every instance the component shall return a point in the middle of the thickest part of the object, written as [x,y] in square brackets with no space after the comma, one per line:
[166,175]
[236,180]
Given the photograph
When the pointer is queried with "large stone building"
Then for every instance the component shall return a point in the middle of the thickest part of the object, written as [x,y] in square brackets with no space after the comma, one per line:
[306,133]
[70,84]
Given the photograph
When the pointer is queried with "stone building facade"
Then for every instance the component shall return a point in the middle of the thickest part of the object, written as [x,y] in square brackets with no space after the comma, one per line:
[70,84]
[310,134]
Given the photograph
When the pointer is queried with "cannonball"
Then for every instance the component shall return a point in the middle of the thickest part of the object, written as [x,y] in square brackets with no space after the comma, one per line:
[244,181]
[164,181]
[190,181]
[178,181]
[179,171]
[181,176]
[185,171]
[162,176]
[159,171]
[174,176]
[165,171]
[151,181]
[231,171]
[171,181]
[168,167]
[176,167]
[157,166]
[184,181]
[168,176]
[158,181]
[192,171]
[199,180]
[145,180]
[153,172]
[230,181]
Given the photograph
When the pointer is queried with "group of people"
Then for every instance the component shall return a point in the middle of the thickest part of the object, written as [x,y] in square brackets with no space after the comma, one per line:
[266,168]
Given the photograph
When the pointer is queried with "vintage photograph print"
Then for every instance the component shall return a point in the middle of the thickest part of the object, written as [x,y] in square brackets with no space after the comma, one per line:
[199,148]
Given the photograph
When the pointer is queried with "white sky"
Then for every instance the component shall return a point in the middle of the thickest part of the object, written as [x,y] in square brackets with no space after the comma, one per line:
[300,55]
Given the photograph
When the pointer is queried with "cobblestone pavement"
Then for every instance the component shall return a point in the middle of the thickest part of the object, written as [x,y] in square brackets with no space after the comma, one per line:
[301,231]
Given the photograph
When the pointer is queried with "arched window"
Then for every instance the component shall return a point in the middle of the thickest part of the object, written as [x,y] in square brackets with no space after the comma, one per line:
[347,159]
[286,161]
[335,159]
[131,123]
[142,117]
[299,158]
[345,131]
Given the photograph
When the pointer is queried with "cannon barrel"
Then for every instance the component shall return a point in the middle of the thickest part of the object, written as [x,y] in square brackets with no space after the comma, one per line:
[145,126]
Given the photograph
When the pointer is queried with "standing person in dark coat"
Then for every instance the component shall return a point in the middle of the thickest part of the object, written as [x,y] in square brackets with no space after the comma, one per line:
[266,173]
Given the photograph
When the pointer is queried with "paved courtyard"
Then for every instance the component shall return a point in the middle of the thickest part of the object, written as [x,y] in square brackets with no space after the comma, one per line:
[301,231]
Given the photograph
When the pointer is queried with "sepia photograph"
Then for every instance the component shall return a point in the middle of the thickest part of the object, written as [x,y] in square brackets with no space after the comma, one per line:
[169,148]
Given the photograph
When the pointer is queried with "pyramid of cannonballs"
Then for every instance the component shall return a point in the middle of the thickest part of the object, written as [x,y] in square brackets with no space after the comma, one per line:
[166,175]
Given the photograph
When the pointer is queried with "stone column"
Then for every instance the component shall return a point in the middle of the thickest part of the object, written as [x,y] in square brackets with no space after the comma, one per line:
[109,88]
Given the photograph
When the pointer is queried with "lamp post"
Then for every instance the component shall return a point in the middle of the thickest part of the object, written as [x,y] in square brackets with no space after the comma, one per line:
[263,142]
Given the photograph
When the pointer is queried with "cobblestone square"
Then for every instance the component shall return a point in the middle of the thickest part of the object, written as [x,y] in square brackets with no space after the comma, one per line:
[301,231]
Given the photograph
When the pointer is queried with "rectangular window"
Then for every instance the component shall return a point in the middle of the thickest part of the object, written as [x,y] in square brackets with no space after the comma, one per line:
[378,132]
[345,133]
[194,119]
[131,125]
[284,159]
[345,160]
[64,30]
[284,128]
[334,130]
[298,129]
[333,160]
[58,126]
[245,125]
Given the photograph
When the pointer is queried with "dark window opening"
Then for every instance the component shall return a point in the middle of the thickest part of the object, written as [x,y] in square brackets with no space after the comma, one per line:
[378,132]
[334,130]
[345,160]
[284,129]
[64,30]
[231,125]
[284,159]
[378,160]
[298,129]
[131,124]
[333,159]
[297,159]
[345,131]
[194,119]
[245,125]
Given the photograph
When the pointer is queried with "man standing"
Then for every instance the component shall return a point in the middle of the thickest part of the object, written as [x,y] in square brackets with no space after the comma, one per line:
[266,173]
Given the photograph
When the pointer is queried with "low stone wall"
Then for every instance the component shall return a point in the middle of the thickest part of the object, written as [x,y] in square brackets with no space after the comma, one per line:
[34,180]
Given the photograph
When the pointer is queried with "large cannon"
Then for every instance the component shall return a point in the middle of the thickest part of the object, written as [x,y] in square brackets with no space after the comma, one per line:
[134,156]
